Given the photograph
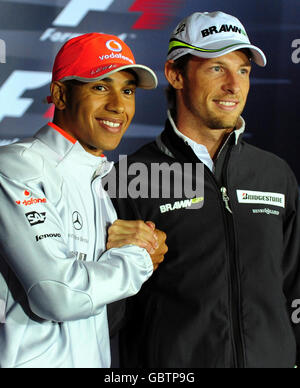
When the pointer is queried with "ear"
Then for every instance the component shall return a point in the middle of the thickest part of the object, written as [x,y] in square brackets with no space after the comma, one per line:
[59,95]
[173,75]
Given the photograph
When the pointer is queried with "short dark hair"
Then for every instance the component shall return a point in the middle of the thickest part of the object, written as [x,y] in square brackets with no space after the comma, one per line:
[70,85]
[179,64]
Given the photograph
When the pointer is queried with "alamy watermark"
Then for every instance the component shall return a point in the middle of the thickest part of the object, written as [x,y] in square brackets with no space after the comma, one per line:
[2,51]
[296,313]
[296,52]
[168,181]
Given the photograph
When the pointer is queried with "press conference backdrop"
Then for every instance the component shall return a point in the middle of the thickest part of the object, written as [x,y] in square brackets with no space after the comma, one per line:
[32,31]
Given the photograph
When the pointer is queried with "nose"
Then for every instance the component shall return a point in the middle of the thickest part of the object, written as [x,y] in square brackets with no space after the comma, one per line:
[115,103]
[231,84]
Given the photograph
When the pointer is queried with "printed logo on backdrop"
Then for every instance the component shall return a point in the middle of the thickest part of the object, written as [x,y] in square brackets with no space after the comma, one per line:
[154,15]
[151,14]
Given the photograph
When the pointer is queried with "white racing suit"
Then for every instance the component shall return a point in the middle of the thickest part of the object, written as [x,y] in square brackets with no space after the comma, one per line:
[55,275]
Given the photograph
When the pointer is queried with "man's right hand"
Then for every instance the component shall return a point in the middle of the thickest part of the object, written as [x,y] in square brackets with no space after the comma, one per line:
[137,233]
[140,233]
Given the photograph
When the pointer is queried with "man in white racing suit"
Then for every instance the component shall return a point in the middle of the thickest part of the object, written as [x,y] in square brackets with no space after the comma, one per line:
[56,272]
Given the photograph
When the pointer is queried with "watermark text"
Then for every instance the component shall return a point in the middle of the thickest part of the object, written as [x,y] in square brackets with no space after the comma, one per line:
[2,51]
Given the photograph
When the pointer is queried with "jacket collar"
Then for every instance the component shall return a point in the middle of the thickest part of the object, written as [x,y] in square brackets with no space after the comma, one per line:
[66,150]
[174,144]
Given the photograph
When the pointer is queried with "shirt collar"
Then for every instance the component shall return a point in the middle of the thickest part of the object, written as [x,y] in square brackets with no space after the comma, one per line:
[200,150]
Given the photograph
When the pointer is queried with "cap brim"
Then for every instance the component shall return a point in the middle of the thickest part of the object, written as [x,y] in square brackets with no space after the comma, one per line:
[147,79]
[225,47]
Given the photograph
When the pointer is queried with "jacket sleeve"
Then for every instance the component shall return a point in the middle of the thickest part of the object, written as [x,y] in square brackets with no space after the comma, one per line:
[291,258]
[126,210]
[58,286]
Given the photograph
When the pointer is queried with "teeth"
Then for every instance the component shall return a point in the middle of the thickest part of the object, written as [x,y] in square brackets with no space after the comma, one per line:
[110,124]
[227,103]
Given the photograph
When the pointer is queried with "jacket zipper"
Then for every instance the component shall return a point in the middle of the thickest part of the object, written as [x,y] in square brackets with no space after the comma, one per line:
[233,272]
[234,280]
[225,198]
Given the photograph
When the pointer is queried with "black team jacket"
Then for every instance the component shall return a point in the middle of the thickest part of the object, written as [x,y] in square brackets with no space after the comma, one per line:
[228,292]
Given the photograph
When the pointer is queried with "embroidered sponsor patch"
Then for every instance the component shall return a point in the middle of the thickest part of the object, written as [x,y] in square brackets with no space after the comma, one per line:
[261,197]
[35,218]
[266,211]
[2,311]
[184,204]
[30,201]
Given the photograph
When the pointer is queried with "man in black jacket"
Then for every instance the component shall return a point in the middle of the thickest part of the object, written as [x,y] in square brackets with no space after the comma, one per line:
[226,293]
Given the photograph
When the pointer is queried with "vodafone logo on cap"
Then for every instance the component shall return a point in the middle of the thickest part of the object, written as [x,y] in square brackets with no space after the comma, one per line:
[113,45]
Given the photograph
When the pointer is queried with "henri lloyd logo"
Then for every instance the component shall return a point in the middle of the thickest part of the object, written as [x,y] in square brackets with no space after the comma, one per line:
[258,197]
[224,28]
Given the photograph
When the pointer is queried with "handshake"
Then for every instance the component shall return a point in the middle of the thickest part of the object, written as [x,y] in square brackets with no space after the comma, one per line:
[140,233]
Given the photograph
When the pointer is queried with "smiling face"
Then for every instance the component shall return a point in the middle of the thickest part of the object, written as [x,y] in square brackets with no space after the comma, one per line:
[213,92]
[97,114]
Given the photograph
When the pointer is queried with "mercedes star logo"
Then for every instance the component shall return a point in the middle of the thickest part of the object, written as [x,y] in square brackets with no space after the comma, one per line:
[77,221]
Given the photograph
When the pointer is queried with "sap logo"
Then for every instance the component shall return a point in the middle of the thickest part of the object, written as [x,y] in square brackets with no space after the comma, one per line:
[12,105]
[35,218]
[296,53]
[2,51]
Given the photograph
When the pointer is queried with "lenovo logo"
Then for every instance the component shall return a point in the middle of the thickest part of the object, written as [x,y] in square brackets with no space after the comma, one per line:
[43,236]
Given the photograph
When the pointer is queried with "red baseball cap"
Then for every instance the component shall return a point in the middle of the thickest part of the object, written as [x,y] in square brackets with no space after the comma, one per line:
[94,56]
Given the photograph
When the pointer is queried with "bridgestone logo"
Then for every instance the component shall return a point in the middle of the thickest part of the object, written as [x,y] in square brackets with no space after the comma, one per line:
[42,236]
[258,197]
